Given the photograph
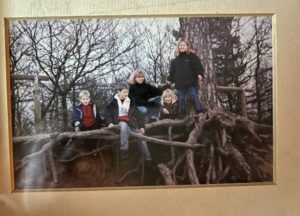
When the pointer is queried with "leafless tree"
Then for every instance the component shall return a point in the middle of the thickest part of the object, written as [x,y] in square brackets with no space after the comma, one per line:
[69,51]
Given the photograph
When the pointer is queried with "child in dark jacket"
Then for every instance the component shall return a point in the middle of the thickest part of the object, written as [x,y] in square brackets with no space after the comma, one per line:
[146,96]
[169,105]
[122,111]
[86,115]
[185,70]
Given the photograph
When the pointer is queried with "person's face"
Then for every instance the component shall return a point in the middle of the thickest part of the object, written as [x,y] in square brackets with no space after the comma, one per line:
[139,79]
[182,46]
[123,94]
[85,100]
[168,99]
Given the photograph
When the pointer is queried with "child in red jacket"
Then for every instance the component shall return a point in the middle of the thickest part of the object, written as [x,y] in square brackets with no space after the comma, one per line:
[86,115]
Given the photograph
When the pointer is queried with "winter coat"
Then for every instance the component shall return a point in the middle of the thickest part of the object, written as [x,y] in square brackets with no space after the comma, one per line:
[142,92]
[77,115]
[184,70]
[136,119]
[172,108]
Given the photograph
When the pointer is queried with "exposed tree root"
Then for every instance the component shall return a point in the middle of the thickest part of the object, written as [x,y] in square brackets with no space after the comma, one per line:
[232,149]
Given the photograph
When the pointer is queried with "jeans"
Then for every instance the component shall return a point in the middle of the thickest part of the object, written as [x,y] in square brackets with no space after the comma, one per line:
[124,138]
[151,111]
[193,94]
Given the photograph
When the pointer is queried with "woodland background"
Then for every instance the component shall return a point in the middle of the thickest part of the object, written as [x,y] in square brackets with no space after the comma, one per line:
[98,53]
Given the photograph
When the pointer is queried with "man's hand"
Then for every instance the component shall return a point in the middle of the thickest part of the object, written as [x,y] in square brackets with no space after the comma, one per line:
[77,123]
[142,130]
[168,82]
[111,125]
[199,77]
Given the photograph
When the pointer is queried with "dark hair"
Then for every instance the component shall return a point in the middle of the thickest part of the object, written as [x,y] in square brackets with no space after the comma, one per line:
[122,85]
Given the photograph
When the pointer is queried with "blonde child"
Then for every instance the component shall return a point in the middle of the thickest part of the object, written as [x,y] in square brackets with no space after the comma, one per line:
[146,96]
[169,105]
[86,115]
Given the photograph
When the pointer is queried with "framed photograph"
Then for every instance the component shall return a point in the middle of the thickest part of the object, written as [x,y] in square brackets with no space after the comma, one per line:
[152,104]
[195,93]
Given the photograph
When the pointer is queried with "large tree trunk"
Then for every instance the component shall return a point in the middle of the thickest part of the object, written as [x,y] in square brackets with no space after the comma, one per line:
[234,150]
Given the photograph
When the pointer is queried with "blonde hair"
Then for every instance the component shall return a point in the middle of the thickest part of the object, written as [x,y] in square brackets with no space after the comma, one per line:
[168,93]
[85,93]
[134,74]
[189,48]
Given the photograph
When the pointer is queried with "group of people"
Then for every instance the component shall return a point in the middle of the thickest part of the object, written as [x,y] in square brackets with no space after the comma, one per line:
[136,99]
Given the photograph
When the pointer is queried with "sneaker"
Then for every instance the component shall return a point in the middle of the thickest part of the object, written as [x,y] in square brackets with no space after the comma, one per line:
[153,119]
[202,111]
[124,154]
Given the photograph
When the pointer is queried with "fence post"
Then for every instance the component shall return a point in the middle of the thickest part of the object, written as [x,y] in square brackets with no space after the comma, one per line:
[37,105]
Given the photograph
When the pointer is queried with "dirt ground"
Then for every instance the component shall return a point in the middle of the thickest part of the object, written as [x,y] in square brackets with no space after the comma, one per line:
[89,171]
[84,172]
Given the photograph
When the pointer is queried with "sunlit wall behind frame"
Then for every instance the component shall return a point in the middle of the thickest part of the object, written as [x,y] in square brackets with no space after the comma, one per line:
[279,199]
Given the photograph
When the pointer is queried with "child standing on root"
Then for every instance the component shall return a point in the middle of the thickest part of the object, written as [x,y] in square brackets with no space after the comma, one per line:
[146,96]
[86,115]
[169,105]
[122,111]
[185,70]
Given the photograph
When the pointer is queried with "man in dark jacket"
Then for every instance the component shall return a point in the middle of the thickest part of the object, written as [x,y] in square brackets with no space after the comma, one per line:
[123,112]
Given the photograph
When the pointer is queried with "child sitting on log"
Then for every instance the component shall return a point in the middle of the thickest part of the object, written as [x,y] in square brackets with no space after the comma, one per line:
[86,116]
[123,111]
[169,105]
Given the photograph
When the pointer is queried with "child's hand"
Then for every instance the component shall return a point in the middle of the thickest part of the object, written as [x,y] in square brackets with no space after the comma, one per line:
[77,123]
[111,125]
[142,130]
[199,77]
[165,111]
